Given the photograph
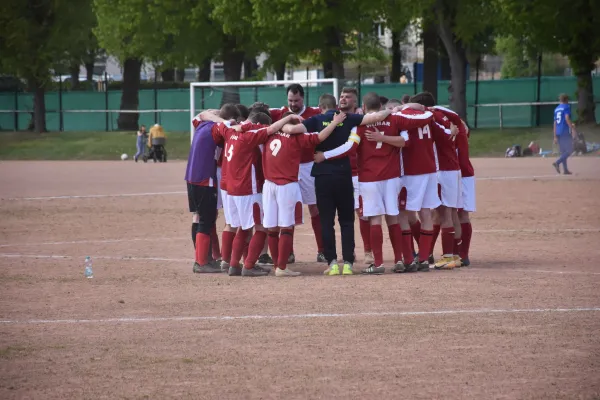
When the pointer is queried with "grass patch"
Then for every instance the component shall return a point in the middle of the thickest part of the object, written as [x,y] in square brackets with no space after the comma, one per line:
[110,145]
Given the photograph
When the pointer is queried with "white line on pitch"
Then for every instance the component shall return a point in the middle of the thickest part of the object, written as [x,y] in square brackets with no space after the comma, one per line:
[301,316]
[92,241]
[95,196]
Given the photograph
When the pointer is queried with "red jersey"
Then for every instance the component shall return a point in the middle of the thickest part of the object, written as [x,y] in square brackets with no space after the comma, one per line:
[282,155]
[306,112]
[461,142]
[417,154]
[445,149]
[379,161]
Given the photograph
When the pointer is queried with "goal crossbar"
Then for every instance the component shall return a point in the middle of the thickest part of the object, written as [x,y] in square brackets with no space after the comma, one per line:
[193,85]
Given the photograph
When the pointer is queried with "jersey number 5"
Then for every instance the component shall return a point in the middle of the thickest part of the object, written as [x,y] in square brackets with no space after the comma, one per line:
[558,117]
[229,152]
[424,132]
[275,146]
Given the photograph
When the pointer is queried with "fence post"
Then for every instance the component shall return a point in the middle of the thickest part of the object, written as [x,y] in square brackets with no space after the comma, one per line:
[415,76]
[539,90]
[477,89]
[107,114]
[155,98]
[500,111]
[359,83]
[16,108]
[60,108]
[255,94]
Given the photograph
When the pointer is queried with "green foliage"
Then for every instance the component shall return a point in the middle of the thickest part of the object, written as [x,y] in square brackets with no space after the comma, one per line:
[520,59]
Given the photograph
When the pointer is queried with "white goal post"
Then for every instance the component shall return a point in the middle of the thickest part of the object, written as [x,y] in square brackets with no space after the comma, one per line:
[193,85]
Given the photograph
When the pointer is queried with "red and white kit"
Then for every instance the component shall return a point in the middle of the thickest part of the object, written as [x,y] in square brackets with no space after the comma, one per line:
[466,168]
[242,155]
[418,160]
[282,199]
[448,173]
[379,163]
[306,182]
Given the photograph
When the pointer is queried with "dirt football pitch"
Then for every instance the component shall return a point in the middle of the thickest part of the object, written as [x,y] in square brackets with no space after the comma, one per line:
[523,322]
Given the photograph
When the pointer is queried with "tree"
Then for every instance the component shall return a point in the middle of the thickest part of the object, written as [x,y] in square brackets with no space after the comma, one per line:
[520,59]
[34,36]
[565,27]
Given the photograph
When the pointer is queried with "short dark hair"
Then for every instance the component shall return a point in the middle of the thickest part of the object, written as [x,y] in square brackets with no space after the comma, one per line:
[350,90]
[424,98]
[259,117]
[383,100]
[564,98]
[259,106]
[229,111]
[295,88]
[327,102]
[285,114]
[405,99]
[372,101]
[244,112]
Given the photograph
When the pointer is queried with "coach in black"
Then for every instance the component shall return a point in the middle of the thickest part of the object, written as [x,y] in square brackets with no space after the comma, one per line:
[333,180]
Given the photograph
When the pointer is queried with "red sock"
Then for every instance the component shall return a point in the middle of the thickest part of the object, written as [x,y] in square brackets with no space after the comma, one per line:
[436,233]
[227,240]
[457,246]
[239,243]
[316,225]
[467,231]
[396,238]
[406,247]
[286,240]
[256,245]
[377,244]
[448,241]
[365,233]
[202,247]
[247,245]
[214,240]
[425,244]
[273,241]
[416,230]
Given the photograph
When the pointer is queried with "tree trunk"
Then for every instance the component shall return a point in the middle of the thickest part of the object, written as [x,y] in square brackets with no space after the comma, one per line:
[180,75]
[585,92]
[333,58]
[130,96]
[232,69]
[280,71]
[89,71]
[396,58]
[38,124]
[430,60]
[457,91]
[74,72]
[168,75]
[204,71]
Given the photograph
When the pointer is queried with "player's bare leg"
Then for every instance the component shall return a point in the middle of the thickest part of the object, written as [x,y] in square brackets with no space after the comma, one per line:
[376,241]
[227,238]
[436,233]
[365,234]
[286,240]
[466,232]
[195,221]
[315,221]
[395,233]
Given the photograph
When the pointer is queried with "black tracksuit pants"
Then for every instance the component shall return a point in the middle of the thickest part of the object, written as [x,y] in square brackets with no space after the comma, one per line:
[335,193]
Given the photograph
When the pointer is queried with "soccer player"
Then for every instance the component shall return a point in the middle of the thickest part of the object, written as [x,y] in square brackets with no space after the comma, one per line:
[564,132]
[244,188]
[201,178]
[379,175]
[282,200]
[420,182]
[295,99]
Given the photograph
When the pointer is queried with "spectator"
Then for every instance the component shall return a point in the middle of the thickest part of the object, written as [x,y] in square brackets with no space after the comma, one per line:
[140,142]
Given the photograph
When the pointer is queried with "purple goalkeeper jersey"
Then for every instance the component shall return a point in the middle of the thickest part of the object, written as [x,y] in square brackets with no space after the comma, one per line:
[201,161]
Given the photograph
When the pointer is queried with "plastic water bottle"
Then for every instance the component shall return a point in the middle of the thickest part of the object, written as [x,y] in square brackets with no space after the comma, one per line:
[89,273]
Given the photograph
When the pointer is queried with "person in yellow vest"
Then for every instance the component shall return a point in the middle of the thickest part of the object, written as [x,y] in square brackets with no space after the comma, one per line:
[156,131]
[157,150]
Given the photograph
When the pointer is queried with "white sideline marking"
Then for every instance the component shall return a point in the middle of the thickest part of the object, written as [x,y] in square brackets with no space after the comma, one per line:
[93,241]
[94,196]
[300,316]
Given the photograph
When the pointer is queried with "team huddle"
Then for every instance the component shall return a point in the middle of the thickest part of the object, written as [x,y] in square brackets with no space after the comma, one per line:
[405,161]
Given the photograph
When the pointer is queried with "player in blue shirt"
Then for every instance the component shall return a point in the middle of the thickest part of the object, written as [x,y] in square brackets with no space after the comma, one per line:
[564,132]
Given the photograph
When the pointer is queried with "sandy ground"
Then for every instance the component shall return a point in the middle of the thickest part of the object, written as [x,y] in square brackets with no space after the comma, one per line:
[522,322]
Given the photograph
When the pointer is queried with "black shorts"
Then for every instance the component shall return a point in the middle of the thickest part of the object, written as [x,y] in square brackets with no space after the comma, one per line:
[201,198]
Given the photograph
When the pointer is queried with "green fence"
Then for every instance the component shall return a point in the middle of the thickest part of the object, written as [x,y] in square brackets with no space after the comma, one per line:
[490,92]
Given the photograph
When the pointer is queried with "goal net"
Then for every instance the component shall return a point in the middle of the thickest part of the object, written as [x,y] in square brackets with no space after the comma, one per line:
[212,95]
